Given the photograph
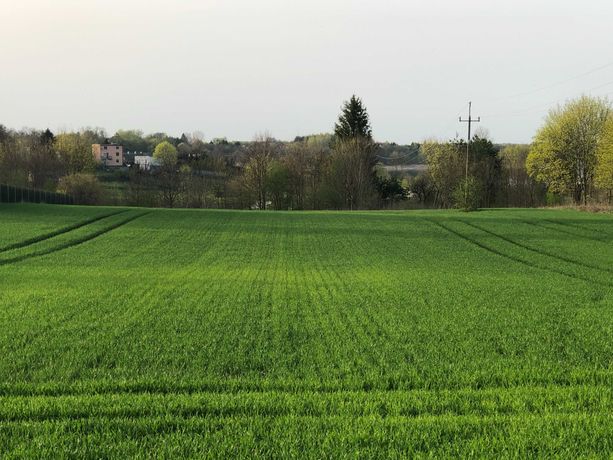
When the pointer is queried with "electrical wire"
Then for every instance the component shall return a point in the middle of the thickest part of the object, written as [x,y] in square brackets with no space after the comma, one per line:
[553,85]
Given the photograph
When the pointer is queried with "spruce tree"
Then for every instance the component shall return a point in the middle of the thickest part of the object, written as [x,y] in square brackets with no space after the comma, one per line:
[353,121]
[47,137]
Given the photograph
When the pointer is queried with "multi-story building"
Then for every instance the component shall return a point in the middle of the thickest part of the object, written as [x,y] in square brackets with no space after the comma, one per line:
[108,154]
[145,162]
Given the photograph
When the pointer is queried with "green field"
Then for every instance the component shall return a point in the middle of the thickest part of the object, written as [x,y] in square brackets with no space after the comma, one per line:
[228,334]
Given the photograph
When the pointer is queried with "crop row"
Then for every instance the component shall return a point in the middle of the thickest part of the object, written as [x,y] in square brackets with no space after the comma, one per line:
[417,403]
[559,436]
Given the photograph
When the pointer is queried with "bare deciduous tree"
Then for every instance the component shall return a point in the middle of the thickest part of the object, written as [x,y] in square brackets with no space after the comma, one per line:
[352,171]
[259,156]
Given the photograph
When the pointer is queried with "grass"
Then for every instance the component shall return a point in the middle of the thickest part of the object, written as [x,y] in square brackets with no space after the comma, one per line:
[185,333]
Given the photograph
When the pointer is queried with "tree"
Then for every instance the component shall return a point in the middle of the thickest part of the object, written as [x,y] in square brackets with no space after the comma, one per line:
[12,167]
[260,154]
[390,190]
[198,149]
[75,152]
[517,188]
[604,163]
[485,168]
[318,153]
[277,184]
[184,150]
[83,188]
[422,187]
[5,134]
[169,178]
[351,174]
[141,189]
[306,161]
[563,154]
[446,168]
[154,139]
[353,120]
[296,162]
[166,154]
[132,140]
[47,137]
[468,194]
[40,160]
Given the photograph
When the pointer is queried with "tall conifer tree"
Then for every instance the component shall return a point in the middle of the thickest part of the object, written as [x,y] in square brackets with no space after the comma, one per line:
[353,121]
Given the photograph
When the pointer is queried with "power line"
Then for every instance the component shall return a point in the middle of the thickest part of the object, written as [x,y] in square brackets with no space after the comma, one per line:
[558,83]
[451,123]
[540,107]
[406,155]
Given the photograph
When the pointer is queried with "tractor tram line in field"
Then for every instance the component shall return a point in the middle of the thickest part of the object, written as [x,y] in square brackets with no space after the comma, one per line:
[514,258]
[491,402]
[60,231]
[537,251]
[555,227]
[606,239]
[71,242]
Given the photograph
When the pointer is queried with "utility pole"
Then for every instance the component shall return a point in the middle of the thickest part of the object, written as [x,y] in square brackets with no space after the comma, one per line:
[470,120]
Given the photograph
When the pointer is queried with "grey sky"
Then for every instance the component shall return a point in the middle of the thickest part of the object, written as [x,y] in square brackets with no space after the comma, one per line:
[234,68]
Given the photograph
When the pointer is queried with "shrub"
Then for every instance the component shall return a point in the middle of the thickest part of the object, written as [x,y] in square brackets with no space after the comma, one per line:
[467,195]
[84,188]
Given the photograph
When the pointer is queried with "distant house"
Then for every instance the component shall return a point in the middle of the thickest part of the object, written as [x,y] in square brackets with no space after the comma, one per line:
[108,154]
[145,162]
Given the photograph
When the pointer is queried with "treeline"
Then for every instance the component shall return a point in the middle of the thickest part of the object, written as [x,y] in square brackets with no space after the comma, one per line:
[327,171]
[570,160]
[495,176]
[316,172]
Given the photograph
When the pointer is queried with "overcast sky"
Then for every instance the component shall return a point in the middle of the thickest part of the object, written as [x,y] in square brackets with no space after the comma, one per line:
[234,68]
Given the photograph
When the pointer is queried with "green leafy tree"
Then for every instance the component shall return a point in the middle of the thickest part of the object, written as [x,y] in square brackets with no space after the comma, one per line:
[468,194]
[604,161]
[563,154]
[132,140]
[166,154]
[390,190]
[169,178]
[446,168]
[83,188]
[75,152]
